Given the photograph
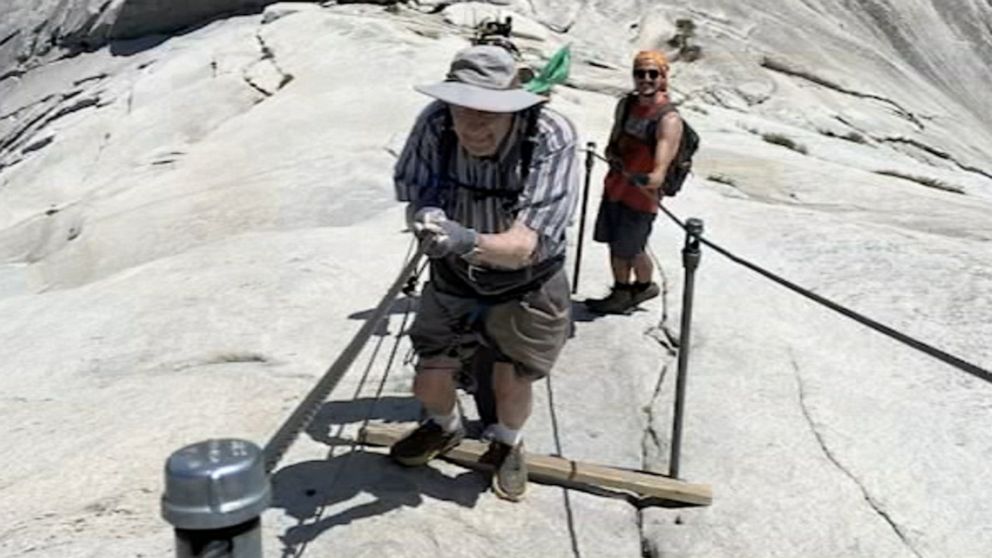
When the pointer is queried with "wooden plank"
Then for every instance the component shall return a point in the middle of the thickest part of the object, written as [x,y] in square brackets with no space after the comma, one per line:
[565,471]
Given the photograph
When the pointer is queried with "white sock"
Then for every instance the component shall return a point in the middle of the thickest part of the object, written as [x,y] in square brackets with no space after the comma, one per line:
[503,434]
[448,422]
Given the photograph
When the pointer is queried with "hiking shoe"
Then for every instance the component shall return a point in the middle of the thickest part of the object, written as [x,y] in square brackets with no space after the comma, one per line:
[618,302]
[641,293]
[426,442]
[510,475]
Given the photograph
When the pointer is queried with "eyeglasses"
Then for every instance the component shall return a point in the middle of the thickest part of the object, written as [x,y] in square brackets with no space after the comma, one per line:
[641,74]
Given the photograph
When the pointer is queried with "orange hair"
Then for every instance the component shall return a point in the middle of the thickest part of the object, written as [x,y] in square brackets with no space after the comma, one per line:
[653,57]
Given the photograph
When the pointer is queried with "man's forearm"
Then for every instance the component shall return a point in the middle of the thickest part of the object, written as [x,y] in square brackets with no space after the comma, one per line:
[662,163]
[513,249]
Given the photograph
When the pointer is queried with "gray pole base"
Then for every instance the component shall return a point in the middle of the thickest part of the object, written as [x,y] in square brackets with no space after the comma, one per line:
[239,541]
[690,261]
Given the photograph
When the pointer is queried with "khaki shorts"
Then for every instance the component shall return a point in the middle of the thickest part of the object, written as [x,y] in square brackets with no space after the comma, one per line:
[528,332]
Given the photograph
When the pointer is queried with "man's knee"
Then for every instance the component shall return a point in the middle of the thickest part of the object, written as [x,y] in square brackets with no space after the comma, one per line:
[510,379]
[435,375]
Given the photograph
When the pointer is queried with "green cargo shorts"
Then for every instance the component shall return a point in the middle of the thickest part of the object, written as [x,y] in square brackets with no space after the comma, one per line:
[528,332]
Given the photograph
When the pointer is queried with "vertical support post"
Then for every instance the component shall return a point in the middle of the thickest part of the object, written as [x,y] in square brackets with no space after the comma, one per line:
[690,261]
[590,161]
[215,493]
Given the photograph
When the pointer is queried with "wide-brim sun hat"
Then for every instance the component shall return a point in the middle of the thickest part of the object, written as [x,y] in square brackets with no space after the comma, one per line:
[483,77]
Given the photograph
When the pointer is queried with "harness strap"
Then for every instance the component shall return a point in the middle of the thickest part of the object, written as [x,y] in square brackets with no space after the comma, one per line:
[454,276]
[442,181]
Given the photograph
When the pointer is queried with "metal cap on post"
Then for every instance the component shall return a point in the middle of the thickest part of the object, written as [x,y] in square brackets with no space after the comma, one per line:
[215,492]
[694,230]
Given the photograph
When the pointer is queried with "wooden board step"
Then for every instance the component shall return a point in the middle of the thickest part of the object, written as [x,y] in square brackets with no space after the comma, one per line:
[565,472]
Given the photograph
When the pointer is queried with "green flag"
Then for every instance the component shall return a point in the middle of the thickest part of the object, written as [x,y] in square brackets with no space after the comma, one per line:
[555,71]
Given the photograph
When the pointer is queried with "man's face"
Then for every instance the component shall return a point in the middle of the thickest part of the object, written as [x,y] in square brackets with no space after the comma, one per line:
[649,79]
[479,132]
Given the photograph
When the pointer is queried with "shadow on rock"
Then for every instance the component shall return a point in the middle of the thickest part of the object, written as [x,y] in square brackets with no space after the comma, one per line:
[353,411]
[315,492]
[400,306]
[582,313]
[129,47]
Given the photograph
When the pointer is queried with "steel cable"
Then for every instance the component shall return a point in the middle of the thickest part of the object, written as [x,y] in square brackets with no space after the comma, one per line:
[926,348]
[307,409]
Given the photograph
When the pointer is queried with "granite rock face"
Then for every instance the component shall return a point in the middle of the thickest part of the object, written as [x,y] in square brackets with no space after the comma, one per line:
[35,30]
[193,226]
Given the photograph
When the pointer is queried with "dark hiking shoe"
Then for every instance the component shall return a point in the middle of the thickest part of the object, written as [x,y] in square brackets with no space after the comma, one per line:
[510,474]
[618,302]
[642,293]
[426,442]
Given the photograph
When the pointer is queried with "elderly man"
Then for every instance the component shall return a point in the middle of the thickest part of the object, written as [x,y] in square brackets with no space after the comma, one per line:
[644,141]
[490,177]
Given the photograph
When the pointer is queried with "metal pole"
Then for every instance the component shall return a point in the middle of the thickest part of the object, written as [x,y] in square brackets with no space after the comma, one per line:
[690,261]
[590,161]
[215,493]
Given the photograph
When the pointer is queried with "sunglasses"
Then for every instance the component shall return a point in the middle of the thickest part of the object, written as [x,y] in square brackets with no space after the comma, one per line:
[641,74]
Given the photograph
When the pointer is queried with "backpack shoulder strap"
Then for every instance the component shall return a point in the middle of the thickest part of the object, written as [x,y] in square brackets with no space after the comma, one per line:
[448,141]
[443,183]
[446,144]
[530,142]
[620,115]
[439,181]
[628,104]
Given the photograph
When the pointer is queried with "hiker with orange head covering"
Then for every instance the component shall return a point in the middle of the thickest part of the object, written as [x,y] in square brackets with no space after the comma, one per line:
[644,141]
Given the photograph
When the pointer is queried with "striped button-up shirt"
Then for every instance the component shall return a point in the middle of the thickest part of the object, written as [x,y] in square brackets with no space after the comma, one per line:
[546,202]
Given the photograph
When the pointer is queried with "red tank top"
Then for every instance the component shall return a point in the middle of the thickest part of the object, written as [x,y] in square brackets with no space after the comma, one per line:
[636,149]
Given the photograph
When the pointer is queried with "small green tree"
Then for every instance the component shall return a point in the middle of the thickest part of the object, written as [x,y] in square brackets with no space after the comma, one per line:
[685,29]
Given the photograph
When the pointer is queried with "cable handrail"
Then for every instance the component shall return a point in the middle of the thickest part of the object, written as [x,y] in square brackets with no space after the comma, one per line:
[307,409]
[930,350]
